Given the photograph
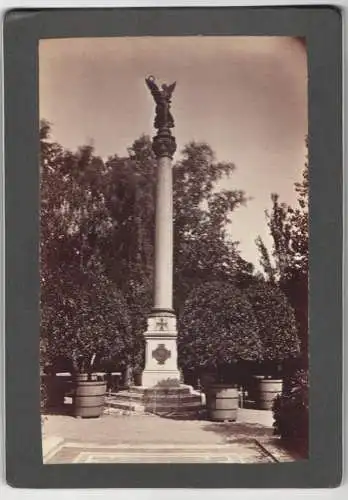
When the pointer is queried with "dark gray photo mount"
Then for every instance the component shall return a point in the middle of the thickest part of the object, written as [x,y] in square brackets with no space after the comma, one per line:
[321,27]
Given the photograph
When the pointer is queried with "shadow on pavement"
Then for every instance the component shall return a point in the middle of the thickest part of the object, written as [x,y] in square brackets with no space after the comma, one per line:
[296,447]
[200,415]
[236,430]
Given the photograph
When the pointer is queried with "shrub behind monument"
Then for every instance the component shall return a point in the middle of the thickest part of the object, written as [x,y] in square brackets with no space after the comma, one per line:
[84,318]
[217,328]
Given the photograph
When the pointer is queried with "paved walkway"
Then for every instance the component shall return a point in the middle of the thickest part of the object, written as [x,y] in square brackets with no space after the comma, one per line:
[145,438]
[135,429]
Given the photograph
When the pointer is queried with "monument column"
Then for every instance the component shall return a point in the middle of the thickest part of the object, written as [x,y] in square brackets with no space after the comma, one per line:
[161,333]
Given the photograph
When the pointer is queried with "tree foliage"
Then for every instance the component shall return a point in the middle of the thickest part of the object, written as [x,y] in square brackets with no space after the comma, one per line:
[128,252]
[130,197]
[203,248]
[98,216]
[276,322]
[289,268]
[217,327]
[289,230]
[82,313]
[291,409]
[85,318]
[74,216]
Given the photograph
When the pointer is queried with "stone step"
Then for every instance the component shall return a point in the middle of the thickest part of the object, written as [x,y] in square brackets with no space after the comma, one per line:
[143,401]
[158,393]
[131,396]
[135,406]
[182,389]
[159,398]
[172,397]
[170,404]
[126,406]
[141,408]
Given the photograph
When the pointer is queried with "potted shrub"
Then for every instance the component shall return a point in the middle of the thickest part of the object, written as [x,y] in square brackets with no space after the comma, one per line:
[83,316]
[138,376]
[217,329]
[86,322]
[89,392]
[278,333]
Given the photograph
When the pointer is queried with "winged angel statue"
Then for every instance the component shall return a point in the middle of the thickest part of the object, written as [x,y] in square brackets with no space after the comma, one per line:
[162,97]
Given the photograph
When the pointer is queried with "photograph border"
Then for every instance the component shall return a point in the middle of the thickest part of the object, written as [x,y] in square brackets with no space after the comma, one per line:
[322,29]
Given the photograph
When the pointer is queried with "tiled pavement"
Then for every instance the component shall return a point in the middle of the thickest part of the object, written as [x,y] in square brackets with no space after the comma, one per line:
[234,453]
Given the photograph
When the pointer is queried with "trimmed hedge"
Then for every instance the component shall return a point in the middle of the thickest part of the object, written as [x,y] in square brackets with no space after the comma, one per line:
[217,328]
[84,319]
[276,322]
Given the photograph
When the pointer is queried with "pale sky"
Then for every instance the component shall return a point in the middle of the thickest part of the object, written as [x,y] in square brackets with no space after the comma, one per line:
[245,96]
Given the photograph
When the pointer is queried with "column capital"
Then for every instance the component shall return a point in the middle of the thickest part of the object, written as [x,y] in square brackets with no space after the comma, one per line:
[164,144]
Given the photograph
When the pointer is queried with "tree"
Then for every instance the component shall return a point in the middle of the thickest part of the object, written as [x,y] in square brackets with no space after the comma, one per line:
[217,328]
[204,250]
[74,217]
[289,231]
[265,261]
[105,211]
[85,319]
[130,195]
[129,252]
[276,324]
[83,313]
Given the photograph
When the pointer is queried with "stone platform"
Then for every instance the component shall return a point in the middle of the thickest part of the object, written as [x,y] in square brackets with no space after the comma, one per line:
[181,400]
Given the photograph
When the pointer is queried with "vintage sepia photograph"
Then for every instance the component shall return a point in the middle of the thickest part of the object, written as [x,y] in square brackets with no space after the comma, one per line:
[174,249]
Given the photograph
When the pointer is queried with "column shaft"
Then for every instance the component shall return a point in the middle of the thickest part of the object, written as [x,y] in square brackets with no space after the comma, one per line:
[163,282]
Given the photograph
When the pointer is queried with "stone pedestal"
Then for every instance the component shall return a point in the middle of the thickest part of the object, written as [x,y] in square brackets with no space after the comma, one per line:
[161,349]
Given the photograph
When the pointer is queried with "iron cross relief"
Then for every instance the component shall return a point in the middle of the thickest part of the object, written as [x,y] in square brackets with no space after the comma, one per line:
[162,324]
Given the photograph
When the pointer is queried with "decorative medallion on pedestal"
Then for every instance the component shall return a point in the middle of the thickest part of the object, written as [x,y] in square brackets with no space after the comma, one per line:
[161,354]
